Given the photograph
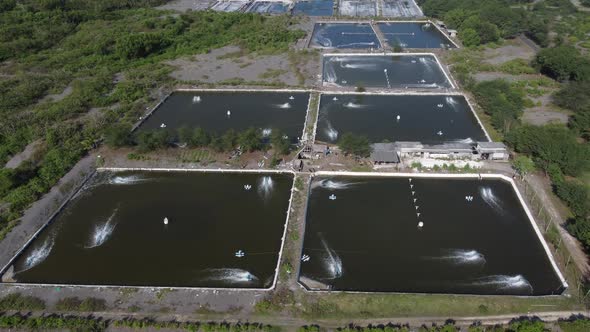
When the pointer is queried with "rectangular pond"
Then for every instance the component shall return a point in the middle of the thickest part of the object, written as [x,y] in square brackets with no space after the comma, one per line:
[344,35]
[362,234]
[400,8]
[268,7]
[358,8]
[430,119]
[414,35]
[185,229]
[220,111]
[314,7]
[230,5]
[400,71]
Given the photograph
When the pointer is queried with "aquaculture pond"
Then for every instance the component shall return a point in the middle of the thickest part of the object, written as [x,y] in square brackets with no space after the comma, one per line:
[400,8]
[358,8]
[268,7]
[344,35]
[363,234]
[384,71]
[314,7]
[414,35]
[430,119]
[220,111]
[164,229]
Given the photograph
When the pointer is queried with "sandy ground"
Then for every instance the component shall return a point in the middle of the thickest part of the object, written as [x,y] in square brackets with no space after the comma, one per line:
[218,66]
[26,154]
[184,5]
[544,113]
[514,49]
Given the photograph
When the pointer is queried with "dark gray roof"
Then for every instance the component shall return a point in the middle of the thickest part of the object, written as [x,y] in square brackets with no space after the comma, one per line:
[491,145]
[384,156]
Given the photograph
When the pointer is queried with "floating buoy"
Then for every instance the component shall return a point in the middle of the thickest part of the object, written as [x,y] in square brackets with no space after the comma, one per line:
[291,98]
[196,99]
[420,224]
[398,117]
[163,125]
[228,113]
[165,221]
[332,197]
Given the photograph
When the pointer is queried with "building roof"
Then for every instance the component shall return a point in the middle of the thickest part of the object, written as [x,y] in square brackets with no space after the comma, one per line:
[384,156]
[491,145]
[319,148]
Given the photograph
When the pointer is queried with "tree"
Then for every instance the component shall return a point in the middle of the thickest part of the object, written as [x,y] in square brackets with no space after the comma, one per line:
[184,135]
[118,135]
[280,142]
[469,37]
[575,194]
[250,139]
[559,62]
[229,140]
[499,100]
[523,165]
[200,138]
[356,145]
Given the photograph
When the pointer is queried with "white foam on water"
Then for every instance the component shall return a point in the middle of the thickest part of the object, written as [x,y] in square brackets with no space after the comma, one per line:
[358,65]
[357,44]
[265,186]
[331,184]
[266,132]
[126,179]
[504,282]
[330,74]
[332,262]
[284,106]
[467,140]
[230,275]
[492,200]
[461,257]
[331,132]
[353,105]
[102,232]
[38,255]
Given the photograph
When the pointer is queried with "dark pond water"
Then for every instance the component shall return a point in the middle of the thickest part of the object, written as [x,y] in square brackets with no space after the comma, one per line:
[344,35]
[113,233]
[314,8]
[429,119]
[366,238]
[265,110]
[384,71]
[414,35]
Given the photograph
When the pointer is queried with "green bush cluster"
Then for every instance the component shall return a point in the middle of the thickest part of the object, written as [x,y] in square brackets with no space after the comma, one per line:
[563,63]
[483,22]
[17,301]
[503,103]
[356,145]
[248,140]
[89,304]
[109,55]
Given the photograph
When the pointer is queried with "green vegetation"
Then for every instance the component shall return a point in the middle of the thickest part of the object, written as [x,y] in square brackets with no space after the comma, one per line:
[90,304]
[501,102]
[107,55]
[355,145]
[575,324]
[17,301]
[563,63]
[59,322]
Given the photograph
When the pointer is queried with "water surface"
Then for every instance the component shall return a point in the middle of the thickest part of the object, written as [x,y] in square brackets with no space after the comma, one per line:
[344,35]
[113,233]
[314,8]
[384,71]
[414,35]
[263,110]
[430,119]
[362,234]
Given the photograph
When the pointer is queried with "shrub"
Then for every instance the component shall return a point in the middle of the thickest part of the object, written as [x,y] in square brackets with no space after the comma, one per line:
[17,301]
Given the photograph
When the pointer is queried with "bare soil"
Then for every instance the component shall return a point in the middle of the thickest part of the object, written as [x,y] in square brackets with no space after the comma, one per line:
[514,49]
[228,63]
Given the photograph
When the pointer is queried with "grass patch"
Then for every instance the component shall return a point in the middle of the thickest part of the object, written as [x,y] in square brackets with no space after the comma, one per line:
[17,301]
[196,156]
[90,304]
